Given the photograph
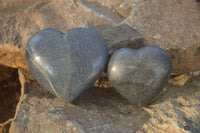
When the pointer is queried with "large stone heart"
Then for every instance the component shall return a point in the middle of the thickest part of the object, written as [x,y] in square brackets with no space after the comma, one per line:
[139,75]
[67,64]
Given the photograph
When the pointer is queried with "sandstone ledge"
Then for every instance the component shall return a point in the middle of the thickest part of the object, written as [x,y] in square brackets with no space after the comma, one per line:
[102,109]
[174,29]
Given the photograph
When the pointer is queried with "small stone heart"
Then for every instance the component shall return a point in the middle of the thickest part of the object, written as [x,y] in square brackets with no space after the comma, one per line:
[139,75]
[66,64]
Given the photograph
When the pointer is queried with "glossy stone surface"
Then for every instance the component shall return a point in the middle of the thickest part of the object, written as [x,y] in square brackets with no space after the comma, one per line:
[66,64]
[139,75]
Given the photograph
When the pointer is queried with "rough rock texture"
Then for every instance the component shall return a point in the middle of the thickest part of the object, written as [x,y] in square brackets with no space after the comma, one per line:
[102,109]
[16,29]
[172,25]
[176,29]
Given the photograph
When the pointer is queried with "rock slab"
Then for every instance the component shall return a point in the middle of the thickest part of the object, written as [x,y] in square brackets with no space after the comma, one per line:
[175,29]
[173,25]
[103,110]
[67,64]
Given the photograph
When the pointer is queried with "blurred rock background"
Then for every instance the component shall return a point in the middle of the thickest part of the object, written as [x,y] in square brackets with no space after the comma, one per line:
[173,25]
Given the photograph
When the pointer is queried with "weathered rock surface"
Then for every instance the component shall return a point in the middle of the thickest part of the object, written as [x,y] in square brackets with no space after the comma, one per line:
[102,109]
[176,29]
[173,25]
[24,18]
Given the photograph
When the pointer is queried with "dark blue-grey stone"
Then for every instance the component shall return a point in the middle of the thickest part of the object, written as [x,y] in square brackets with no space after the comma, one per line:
[139,75]
[66,64]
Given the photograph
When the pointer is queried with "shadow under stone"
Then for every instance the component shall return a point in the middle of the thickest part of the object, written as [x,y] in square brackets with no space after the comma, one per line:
[10,91]
[113,106]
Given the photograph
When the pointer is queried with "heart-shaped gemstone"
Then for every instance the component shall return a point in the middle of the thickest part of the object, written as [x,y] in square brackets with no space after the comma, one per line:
[66,64]
[139,75]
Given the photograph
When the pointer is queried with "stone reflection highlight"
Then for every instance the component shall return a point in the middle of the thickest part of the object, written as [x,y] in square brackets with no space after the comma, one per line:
[139,75]
[113,68]
[37,59]
[66,64]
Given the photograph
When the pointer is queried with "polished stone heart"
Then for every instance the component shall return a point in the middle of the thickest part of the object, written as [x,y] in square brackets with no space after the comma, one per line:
[66,64]
[139,75]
